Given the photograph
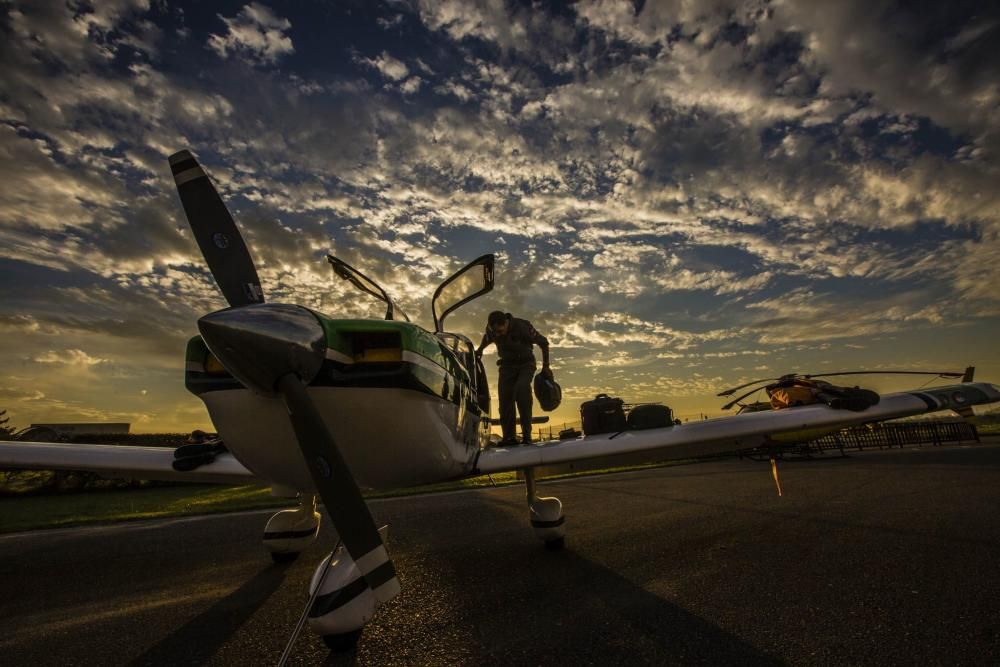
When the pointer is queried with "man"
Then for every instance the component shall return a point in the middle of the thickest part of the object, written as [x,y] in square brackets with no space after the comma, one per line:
[514,339]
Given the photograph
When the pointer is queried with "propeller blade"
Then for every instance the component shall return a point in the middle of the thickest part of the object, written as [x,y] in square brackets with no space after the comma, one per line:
[341,497]
[823,375]
[737,400]
[220,240]
[279,348]
[730,392]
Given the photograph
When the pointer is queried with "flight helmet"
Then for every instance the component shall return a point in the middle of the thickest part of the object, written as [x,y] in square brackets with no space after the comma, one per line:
[548,392]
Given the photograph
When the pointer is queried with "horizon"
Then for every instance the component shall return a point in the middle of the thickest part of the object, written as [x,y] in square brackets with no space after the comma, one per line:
[680,198]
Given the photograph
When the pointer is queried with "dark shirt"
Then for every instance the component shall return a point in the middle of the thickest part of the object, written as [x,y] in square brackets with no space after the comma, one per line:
[514,347]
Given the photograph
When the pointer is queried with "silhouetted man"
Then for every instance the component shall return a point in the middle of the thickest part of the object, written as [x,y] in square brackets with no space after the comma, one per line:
[514,339]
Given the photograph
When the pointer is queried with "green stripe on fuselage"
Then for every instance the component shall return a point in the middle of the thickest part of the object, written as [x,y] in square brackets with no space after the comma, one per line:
[451,383]
[412,338]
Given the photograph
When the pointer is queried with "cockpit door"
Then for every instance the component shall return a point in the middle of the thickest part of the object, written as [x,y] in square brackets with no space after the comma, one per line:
[472,281]
[367,285]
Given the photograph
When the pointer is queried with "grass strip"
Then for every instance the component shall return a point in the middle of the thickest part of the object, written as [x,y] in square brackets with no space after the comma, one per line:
[34,512]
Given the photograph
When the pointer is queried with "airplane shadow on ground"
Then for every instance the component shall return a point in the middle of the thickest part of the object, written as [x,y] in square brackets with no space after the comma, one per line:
[518,603]
[196,641]
[802,515]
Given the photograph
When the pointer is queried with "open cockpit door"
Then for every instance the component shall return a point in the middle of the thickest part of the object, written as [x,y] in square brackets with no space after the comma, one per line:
[367,285]
[472,281]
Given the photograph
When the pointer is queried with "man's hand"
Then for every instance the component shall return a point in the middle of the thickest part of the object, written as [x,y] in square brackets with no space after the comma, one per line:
[548,371]
[479,354]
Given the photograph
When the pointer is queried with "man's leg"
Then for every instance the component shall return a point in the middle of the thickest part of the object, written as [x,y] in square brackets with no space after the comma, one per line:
[505,397]
[522,394]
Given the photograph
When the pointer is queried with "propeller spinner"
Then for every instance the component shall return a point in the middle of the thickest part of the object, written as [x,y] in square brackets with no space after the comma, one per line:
[277,349]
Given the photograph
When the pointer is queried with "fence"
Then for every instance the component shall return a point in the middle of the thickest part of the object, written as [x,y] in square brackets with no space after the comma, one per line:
[898,434]
[866,436]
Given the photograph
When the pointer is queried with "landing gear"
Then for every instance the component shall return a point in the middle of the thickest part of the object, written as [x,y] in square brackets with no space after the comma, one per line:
[547,517]
[290,532]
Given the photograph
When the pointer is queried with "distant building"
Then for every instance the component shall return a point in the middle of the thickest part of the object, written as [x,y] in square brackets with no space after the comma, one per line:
[72,430]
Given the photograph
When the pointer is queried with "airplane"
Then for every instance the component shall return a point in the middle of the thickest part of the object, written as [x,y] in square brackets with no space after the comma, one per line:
[319,407]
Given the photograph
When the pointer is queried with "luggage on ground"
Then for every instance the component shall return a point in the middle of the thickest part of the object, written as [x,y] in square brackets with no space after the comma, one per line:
[649,415]
[604,414]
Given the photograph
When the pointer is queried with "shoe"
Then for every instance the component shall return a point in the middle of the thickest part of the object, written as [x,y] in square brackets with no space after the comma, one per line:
[509,442]
[526,440]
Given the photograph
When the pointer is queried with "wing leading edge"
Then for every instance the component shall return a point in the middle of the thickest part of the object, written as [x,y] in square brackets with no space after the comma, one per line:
[730,433]
[120,461]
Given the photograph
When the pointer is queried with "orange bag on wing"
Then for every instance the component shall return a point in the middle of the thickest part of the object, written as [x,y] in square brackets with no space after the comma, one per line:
[796,394]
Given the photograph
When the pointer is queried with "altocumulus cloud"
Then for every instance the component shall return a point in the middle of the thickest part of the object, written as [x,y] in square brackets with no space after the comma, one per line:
[669,185]
[255,33]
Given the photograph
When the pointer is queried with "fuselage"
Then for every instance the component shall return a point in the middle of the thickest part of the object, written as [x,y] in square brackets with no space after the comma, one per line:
[403,405]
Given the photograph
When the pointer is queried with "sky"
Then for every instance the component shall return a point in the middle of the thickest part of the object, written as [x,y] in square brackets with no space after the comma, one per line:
[681,195]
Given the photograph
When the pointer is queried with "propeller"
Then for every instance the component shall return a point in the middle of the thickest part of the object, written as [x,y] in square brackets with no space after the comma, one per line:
[277,350]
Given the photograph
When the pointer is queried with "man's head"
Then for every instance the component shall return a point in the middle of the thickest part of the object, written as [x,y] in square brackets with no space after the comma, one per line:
[499,322]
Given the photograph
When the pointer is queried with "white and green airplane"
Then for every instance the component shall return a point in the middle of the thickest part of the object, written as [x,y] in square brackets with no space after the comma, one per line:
[317,406]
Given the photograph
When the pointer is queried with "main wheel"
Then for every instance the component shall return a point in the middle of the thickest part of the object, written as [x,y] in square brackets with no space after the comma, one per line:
[556,545]
[284,556]
[343,643]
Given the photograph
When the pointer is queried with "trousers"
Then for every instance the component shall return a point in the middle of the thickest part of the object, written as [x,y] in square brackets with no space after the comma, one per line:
[515,390]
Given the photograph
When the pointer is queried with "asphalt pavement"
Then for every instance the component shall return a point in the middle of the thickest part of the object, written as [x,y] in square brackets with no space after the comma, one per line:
[881,558]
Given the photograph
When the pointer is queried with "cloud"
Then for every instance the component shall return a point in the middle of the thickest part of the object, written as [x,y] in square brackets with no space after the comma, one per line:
[14,394]
[666,184]
[391,68]
[72,357]
[255,34]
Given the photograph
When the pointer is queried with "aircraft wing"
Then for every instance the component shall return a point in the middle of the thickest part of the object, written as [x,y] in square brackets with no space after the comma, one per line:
[120,461]
[726,434]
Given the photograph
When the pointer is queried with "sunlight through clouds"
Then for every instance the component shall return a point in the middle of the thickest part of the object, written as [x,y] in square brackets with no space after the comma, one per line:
[677,192]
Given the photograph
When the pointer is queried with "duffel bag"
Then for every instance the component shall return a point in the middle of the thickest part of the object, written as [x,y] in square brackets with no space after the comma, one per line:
[649,415]
[604,414]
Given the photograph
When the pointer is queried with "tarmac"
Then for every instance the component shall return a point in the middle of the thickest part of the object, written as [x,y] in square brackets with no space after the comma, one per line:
[886,557]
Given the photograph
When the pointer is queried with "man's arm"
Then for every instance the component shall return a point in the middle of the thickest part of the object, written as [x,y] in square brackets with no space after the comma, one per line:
[487,339]
[542,342]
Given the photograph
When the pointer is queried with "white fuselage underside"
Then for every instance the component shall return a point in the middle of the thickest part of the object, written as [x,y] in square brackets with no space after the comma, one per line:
[389,437]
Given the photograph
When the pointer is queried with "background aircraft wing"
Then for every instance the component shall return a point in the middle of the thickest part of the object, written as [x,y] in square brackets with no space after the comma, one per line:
[727,434]
[116,461]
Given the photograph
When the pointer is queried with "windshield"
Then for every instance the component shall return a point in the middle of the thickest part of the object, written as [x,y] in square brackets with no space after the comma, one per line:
[473,280]
[366,284]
